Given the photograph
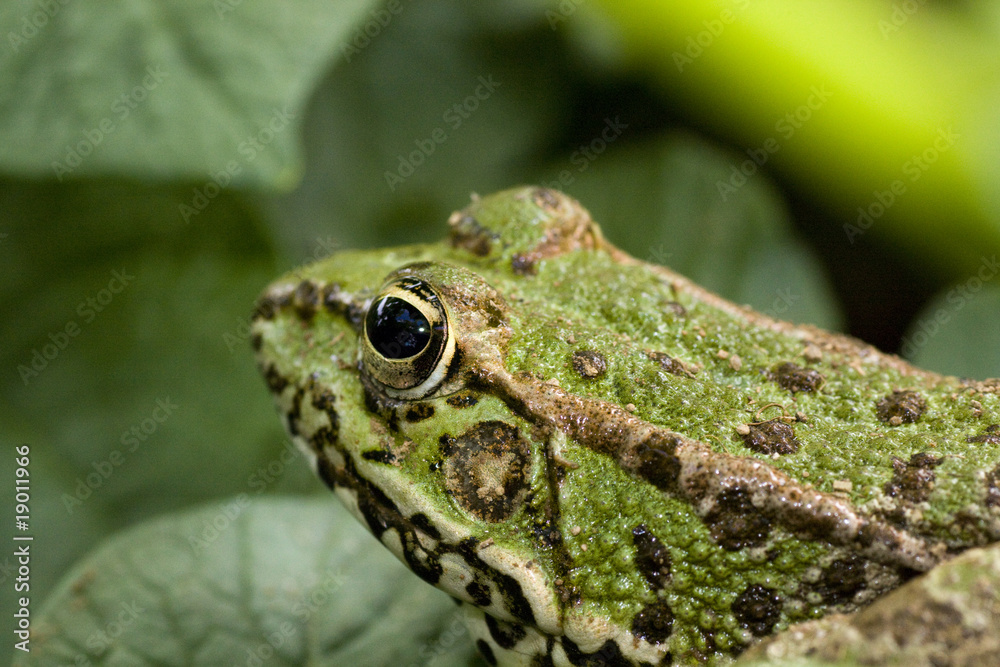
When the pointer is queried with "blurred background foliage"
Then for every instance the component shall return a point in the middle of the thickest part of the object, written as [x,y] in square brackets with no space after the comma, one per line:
[831,162]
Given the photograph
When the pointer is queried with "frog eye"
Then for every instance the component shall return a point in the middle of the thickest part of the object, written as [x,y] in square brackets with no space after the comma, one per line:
[407,345]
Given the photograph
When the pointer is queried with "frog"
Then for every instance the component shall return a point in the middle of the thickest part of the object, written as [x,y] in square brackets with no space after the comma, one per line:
[605,463]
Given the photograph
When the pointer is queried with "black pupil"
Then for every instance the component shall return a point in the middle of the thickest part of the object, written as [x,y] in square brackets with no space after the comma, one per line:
[396,329]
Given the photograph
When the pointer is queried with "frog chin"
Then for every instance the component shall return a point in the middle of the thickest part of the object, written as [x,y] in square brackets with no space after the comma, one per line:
[452,554]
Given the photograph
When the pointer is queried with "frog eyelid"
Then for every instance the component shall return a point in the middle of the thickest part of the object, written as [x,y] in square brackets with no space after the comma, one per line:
[417,375]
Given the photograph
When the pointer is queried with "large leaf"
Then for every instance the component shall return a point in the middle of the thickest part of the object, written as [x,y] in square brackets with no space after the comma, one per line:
[57,537]
[127,368]
[266,581]
[431,110]
[163,88]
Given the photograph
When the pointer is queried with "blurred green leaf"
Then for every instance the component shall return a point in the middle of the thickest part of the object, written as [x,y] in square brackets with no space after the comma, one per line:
[845,99]
[450,99]
[57,537]
[266,581]
[129,366]
[658,199]
[164,89]
[958,332]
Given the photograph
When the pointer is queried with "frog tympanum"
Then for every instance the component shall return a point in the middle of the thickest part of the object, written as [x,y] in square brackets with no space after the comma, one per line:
[605,463]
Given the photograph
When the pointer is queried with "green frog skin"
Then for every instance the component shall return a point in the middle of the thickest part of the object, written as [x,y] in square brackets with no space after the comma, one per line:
[605,463]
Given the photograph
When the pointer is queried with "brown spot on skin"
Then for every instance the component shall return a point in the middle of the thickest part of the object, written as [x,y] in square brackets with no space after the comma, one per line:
[322,438]
[306,299]
[842,580]
[657,462]
[256,342]
[546,198]
[757,609]
[330,297]
[993,487]
[735,523]
[264,309]
[589,363]
[651,557]
[770,437]
[523,265]
[480,594]
[269,304]
[486,651]
[419,412]
[990,436]
[795,379]
[338,303]
[323,399]
[467,234]
[459,401]
[506,635]
[901,407]
[379,456]
[669,364]
[295,413]
[654,622]
[708,636]
[569,228]
[677,309]
[913,480]
[486,470]
[275,381]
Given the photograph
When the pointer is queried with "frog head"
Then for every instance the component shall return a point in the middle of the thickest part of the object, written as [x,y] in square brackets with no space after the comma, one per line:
[388,368]
[573,443]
